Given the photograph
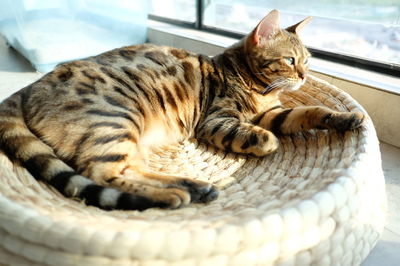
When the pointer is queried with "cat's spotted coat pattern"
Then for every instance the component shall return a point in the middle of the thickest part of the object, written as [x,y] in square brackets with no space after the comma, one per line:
[85,127]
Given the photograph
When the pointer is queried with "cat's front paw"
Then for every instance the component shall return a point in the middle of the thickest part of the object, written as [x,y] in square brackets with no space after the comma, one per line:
[344,121]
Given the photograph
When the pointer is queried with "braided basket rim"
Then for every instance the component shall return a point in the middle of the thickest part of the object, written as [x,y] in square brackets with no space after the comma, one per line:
[315,202]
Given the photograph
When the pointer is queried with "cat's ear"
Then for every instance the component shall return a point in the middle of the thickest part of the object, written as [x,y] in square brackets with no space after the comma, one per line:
[267,27]
[296,28]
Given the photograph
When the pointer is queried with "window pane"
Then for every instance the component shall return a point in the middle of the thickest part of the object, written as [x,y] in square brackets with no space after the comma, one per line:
[176,9]
[368,29]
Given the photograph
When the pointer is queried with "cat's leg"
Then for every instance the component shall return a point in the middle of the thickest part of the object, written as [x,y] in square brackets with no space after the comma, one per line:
[200,191]
[291,120]
[232,135]
[119,165]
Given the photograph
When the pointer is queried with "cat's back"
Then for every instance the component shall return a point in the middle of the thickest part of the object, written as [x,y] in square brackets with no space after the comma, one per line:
[149,55]
[140,68]
[138,84]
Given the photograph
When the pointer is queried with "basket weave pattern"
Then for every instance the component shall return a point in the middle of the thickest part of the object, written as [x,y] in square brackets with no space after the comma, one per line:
[319,200]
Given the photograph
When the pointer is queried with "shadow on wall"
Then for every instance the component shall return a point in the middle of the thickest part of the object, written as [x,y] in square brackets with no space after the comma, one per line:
[11,60]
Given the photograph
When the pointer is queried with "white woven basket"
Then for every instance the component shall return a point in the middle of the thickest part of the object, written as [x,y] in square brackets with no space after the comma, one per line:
[319,200]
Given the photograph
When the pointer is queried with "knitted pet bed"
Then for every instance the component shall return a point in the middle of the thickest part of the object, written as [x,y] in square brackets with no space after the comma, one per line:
[319,200]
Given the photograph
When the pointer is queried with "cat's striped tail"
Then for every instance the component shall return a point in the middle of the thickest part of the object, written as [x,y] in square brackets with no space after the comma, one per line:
[23,147]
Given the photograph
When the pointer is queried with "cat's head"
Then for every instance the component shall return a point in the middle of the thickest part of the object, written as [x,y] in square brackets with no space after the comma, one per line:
[277,56]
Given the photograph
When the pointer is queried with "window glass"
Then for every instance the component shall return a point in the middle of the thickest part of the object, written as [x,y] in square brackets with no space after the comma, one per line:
[368,29]
[184,10]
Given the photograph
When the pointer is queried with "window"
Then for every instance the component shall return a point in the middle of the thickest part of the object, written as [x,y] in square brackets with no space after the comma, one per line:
[365,33]
[179,10]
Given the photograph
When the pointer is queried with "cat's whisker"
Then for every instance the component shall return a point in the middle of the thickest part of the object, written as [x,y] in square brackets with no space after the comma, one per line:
[276,84]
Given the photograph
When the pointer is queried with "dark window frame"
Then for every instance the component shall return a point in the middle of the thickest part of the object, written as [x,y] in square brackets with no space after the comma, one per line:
[359,62]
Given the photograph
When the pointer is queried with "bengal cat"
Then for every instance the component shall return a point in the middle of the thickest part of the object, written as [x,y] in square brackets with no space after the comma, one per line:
[85,127]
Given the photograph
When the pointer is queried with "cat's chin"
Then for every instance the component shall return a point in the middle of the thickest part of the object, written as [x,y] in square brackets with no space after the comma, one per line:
[295,87]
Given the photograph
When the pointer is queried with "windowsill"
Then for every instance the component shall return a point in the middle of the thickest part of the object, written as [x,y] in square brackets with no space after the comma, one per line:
[369,88]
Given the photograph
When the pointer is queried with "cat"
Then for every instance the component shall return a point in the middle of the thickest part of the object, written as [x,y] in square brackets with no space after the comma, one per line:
[85,128]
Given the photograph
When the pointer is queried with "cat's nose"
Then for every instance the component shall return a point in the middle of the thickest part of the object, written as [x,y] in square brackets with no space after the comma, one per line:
[302,76]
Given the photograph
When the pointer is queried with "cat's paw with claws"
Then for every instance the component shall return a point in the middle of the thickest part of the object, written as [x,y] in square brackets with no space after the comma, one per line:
[344,121]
